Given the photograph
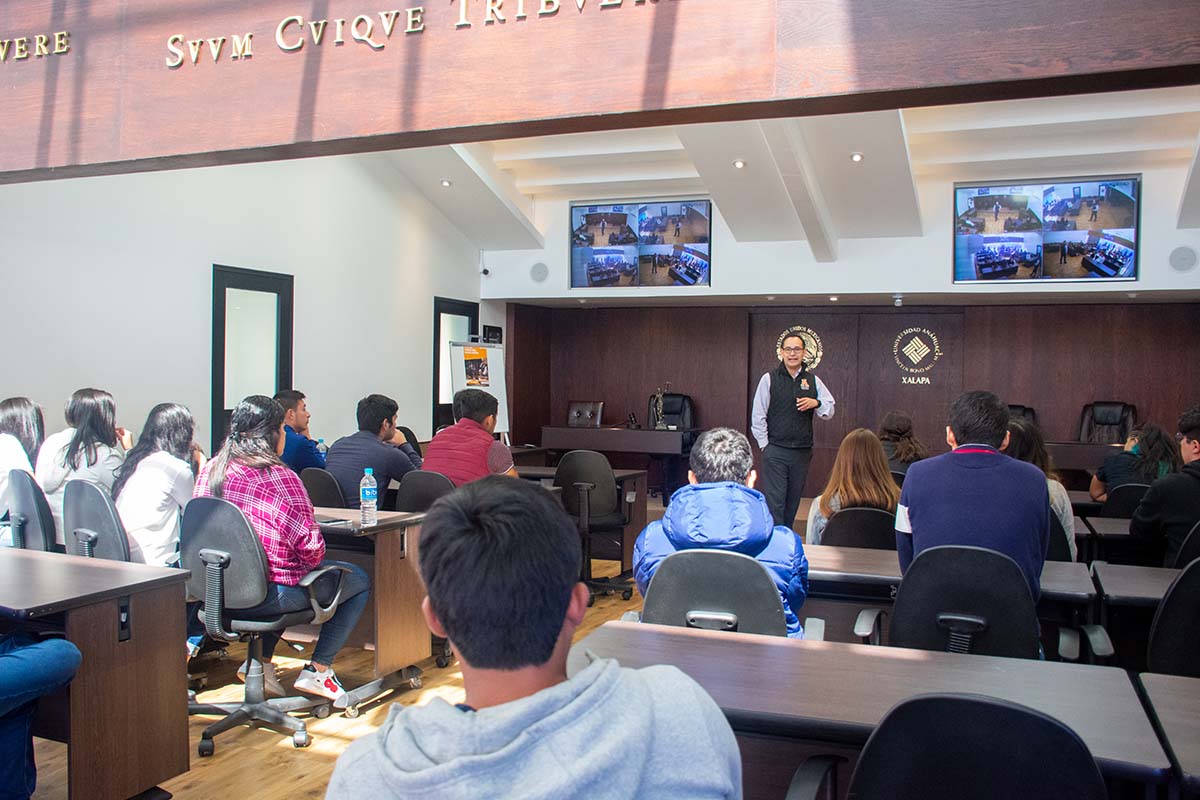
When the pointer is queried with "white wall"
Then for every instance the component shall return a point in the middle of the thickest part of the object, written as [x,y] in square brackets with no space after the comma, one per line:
[108,283]
[913,265]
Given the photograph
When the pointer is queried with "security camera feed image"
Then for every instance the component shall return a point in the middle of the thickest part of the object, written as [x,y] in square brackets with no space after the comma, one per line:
[658,243]
[1067,229]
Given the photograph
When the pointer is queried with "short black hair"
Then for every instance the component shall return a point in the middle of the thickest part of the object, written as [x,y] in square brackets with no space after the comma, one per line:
[500,559]
[979,418]
[803,344]
[474,404]
[374,410]
[289,398]
[1189,423]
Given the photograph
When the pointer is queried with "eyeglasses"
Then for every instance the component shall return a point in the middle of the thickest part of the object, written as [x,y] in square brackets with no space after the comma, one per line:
[793,350]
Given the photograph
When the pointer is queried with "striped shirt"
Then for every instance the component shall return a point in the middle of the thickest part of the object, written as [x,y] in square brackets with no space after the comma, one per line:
[278,508]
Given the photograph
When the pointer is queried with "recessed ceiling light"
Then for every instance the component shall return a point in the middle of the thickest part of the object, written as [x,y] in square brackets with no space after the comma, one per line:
[1132,295]
[446,184]
[833,298]
[770,297]
[857,157]
[739,163]
[582,301]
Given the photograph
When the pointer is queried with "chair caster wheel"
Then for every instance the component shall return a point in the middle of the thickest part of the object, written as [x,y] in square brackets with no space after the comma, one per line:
[322,711]
[591,600]
[415,682]
[350,712]
[627,594]
[206,748]
[442,661]
[301,739]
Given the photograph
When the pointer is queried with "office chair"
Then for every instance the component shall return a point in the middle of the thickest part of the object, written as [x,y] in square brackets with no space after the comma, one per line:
[590,498]
[1174,648]
[323,489]
[411,438]
[1107,422]
[898,477]
[29,513]
[869,528]
[1058,548]
[1123,500]
[952,746]
[1189,551]
[93,527]
[678,413]
[420,488]
[1025,413]
[584,413]
[716,590]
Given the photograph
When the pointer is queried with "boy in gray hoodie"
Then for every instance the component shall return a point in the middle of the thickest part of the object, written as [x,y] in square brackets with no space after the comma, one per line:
[500,561]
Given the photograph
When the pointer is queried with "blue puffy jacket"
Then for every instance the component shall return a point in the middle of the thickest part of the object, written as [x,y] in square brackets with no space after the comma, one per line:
[727,516]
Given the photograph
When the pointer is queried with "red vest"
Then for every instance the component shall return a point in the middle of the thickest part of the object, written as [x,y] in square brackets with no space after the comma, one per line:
[459,452]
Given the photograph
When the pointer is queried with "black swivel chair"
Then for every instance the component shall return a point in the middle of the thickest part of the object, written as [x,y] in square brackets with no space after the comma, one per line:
[869,528]
[323,489]
[411,438]
[1174,647]
[1058,549]
[679,413]
[1123,500]
[1107,422]
[93,527]
[1189,551]
[590,497]
[898,477]
[584,413]
[29,513]
[953,746]
[1025,413]
[420,488]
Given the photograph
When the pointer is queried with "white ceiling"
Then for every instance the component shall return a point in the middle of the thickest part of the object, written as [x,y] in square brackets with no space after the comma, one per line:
[798,182]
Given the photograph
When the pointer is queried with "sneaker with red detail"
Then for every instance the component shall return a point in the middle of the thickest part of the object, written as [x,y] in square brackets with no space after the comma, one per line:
[323,684]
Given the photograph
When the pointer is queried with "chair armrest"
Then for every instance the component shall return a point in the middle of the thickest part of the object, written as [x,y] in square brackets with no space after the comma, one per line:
[869,625]
[308,583]
[85,542]
[814,629]
[215,563]
[16,527]
[631,616]
[810,776]
[1068,644]
[1098,640]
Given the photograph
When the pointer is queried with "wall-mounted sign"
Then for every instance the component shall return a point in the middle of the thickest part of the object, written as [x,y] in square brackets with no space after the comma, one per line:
[916,350]
[39,45]
[813,351]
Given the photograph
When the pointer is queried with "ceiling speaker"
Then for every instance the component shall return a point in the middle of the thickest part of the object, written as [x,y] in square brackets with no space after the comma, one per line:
[539,272]
[1182,259]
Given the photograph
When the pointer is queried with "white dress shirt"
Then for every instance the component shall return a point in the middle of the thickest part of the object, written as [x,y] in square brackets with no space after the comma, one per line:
[151,504]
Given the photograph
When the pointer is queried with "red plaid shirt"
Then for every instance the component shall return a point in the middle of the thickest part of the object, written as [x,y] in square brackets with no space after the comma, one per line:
[275,502]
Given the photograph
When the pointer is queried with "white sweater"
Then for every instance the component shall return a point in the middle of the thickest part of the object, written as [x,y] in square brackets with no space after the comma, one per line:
[151,504]
[52,472]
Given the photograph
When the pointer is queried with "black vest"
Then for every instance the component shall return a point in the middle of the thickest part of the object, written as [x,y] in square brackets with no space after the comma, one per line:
[787,427]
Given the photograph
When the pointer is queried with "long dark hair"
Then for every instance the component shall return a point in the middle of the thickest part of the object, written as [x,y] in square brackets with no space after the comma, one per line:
[897,428]
[22,418]
[1025,443]
[93,415]
[168,428]
[252,441]
[1157,453]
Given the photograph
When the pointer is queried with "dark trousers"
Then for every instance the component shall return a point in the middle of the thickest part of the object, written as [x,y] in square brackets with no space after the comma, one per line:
[783,473]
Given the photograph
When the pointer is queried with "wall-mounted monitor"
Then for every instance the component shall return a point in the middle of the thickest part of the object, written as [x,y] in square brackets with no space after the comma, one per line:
[1061,229]
[648,243]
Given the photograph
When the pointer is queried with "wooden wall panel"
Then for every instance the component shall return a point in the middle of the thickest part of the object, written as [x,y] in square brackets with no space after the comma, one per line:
[528,371]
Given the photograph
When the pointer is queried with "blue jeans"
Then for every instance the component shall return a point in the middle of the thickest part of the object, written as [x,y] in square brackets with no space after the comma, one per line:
[356,588]
[29,668]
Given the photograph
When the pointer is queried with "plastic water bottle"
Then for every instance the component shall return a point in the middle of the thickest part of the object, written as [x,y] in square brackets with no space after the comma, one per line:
[368,491]
[322,448]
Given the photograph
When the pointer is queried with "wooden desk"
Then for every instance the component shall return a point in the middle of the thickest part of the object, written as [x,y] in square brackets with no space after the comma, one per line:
[629,480]
[1175,702]
[529,456]
[1124,585]
[1080,456]
[1108,527]
[648,442]
[774,689]
[125,714]
[1082,503]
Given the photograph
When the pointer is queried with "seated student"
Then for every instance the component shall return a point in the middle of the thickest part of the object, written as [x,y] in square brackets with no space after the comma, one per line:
[91,449]
[248,473]
[500,561]
[29,668]
[975,495]
[860,478]
[900,444]
[1149,454]
[1025,443]
[22,430]
[720,509]
[467,450]
[379,444]
[299,451]
[1171,507]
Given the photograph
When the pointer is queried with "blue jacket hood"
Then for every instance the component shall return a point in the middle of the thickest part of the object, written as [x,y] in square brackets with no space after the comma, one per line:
[728,516]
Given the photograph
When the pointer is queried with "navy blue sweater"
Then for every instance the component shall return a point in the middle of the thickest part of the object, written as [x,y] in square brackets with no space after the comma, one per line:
[976,496]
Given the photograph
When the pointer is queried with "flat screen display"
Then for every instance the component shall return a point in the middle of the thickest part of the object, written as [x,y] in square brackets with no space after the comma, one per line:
[649,243]
[1062,229]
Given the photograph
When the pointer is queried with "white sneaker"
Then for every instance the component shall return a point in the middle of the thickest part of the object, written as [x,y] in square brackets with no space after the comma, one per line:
[323,684]
[271,683]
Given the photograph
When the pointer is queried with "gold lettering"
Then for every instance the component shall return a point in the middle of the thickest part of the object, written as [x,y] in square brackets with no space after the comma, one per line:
[39,45]
[242,46]
[580,4]
[548,7]
[318,30]
[416,23]
[4,43]
[279,34]
[338,38]
[214,47]
[20,48]
[365,38]
[62,43]
[194,45]
[388,20]
[609,3]
[173,48]
[520,10]
[463,22]
[493,11]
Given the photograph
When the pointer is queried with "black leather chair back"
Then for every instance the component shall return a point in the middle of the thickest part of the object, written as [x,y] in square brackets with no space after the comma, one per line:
[678,410]
[1058,549]
[584,413]
[29,512]
[88,507]
[717,590]
[1024,413]
[1107,422]
[965,599]
[210,523]
[587,466]
[948,747]
[869,528]
[420,488]
[411,438]
[323,489]
[1189,551]
[1123,500]
[898,477]
[1174,647]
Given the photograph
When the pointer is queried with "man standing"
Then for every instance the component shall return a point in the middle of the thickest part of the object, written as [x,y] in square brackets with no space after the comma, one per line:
[1171,506]
[782,423]
[379,444]
[299,451]
[996,210]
